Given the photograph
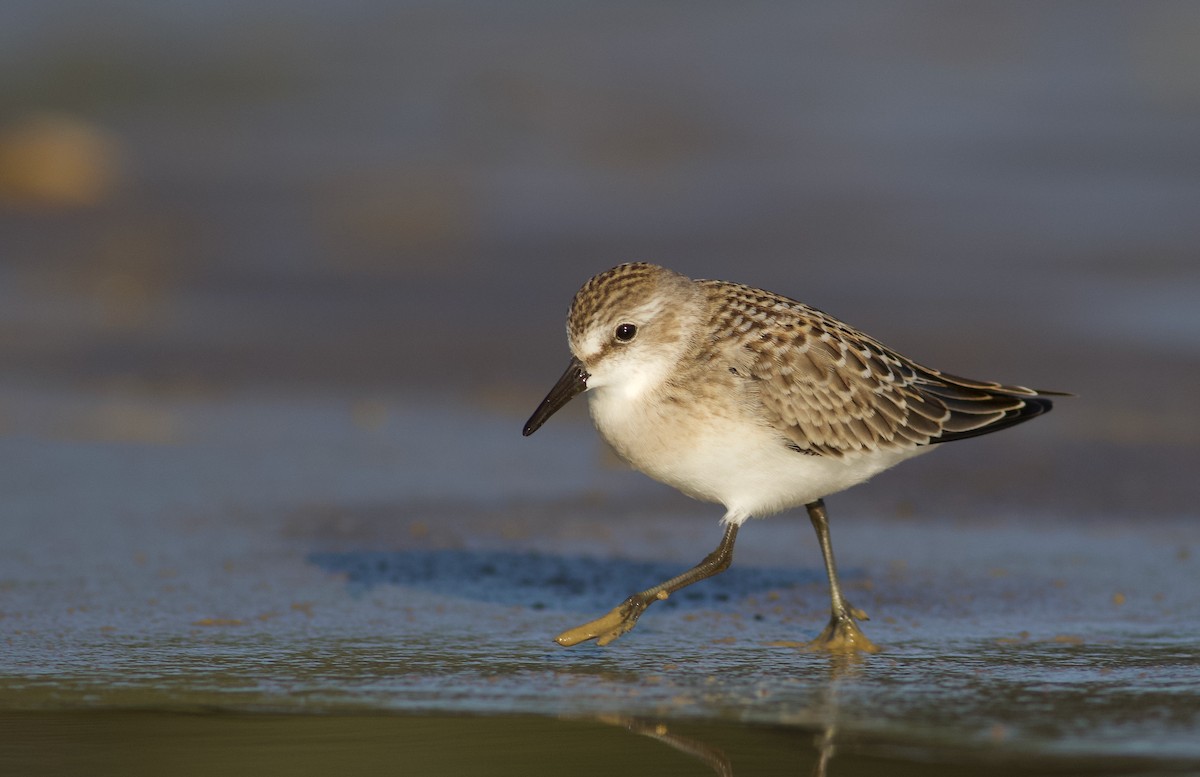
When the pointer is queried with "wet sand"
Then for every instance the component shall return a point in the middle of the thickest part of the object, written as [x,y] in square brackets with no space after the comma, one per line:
[191,576]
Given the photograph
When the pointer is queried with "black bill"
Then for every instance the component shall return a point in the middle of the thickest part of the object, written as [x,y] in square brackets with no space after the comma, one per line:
[572,382]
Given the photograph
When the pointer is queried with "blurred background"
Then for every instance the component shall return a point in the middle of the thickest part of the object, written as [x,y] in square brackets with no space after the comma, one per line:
[402,196]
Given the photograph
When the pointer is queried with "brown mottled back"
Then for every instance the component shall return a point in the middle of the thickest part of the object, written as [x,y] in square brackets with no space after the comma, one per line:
[833,390]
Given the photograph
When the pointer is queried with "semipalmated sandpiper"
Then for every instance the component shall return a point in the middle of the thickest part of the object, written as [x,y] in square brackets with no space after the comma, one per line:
[758,402]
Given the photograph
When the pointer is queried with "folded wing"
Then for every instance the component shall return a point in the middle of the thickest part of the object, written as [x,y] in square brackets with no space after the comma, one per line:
[835,391]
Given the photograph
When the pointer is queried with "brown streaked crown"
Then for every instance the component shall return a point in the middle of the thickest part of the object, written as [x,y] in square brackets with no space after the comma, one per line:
[626,287]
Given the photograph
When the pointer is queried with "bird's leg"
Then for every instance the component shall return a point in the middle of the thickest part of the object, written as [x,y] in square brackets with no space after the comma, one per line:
[625,615]
[842,633]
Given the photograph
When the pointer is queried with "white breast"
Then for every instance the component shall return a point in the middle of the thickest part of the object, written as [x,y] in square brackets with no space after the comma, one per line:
[726,456]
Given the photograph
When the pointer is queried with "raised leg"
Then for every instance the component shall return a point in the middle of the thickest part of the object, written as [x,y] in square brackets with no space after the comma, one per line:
[624,616]
[842,633]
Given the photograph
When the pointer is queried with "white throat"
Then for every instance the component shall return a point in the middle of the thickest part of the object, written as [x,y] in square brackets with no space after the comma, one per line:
[631,378]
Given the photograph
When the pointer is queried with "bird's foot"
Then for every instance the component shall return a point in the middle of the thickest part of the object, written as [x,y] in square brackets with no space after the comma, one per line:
[843,635]
[608,627]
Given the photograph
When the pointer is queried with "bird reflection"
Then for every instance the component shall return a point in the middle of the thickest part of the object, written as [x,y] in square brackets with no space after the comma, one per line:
[711,756]
[824,734]
[707,754]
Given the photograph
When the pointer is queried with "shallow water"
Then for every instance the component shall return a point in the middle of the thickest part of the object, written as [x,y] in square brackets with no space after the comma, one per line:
[201,743]
[168,581]
[264,502]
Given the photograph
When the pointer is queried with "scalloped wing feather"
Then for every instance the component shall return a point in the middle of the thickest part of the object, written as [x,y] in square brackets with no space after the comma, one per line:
[833,390]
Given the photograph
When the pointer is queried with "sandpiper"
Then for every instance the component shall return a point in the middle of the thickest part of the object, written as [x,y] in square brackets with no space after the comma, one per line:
[757,402]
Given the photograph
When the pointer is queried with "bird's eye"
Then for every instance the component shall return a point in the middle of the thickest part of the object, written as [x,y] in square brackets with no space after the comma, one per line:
[625,333]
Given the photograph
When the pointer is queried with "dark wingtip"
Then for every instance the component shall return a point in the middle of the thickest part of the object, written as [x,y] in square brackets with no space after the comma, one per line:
[1031,407]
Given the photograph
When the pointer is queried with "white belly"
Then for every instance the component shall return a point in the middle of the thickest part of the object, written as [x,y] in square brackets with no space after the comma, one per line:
[727,456]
